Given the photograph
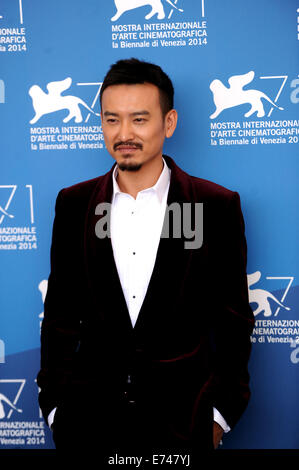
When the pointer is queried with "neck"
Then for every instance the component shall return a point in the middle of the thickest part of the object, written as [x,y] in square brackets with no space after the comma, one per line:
[132,182]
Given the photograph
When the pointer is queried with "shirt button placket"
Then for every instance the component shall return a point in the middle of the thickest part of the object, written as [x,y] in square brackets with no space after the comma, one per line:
[133,277]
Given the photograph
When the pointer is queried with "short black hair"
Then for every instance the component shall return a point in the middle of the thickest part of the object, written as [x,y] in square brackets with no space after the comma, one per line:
[134,71]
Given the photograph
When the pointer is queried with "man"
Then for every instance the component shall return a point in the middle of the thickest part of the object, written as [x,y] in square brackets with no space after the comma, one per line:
[146,338]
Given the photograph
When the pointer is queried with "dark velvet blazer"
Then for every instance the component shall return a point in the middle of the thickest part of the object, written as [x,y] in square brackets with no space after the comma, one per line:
[190,347]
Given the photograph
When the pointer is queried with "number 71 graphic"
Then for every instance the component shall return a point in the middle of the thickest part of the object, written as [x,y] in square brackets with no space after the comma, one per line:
[4,210]
[99,84]
[284,79]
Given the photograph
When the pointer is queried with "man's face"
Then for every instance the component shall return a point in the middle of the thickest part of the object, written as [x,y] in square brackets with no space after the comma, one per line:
[133,125]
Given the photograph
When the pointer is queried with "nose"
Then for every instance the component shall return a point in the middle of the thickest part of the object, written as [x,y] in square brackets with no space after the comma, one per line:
[126,131]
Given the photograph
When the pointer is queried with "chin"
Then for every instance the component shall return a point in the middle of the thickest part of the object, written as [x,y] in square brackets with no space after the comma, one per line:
[129,166]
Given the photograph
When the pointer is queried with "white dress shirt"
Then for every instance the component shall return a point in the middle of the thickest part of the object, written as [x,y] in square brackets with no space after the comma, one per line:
[135,228]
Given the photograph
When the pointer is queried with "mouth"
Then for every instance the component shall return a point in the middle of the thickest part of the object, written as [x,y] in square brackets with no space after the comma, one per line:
[127,148]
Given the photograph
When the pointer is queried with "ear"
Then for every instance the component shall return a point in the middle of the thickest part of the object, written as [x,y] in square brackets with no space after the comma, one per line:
[171,120]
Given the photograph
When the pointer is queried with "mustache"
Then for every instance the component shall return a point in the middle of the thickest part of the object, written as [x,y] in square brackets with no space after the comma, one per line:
[129,143]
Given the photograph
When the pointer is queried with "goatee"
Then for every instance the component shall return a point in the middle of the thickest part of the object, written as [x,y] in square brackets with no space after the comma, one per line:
[129,166]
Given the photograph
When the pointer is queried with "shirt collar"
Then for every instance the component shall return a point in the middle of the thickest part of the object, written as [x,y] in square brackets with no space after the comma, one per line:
[160,187]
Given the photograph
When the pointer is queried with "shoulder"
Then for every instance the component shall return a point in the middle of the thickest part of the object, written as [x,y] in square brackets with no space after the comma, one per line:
[73,202]
[80,193]
[81,189]
[217,197]
[208,190]
[222,206]
[199,189]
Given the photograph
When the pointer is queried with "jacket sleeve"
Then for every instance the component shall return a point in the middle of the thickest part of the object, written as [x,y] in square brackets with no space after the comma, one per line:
[233,319]
[61,324]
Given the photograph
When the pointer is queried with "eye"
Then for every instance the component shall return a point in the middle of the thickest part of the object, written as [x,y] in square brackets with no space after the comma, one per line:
[139,120]
[111,120]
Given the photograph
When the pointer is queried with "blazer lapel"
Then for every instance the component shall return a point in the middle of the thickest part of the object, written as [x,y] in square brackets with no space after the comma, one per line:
[100,265]
[172,259]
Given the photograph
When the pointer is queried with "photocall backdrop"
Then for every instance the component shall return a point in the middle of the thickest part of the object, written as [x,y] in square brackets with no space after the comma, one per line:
[235,69]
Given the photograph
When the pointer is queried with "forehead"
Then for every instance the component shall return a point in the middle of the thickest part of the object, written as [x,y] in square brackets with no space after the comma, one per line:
[128,98]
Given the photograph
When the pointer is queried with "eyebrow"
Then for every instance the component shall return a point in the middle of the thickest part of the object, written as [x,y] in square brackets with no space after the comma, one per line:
[136,113]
